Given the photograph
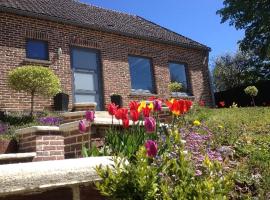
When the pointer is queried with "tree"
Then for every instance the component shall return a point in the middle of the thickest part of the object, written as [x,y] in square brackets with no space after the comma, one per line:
[232,70]
[254,17]
[34,80]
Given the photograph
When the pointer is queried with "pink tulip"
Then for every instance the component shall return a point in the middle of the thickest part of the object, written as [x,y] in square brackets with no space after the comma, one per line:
[157,105]
[151,148]
[82,126]
[150,124]
[90,115]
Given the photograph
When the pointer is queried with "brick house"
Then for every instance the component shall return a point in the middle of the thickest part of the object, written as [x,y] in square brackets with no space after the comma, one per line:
[96,52]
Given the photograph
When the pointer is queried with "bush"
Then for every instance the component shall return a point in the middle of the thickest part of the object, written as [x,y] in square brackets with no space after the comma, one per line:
[175,87]
[251,91]
[34,80]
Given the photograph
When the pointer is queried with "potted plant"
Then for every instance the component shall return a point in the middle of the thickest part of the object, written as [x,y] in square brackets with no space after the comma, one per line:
[61,101]
[117,100]
[8,143]
[176,89]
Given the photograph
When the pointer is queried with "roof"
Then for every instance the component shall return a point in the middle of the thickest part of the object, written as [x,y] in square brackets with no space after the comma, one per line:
[89,16]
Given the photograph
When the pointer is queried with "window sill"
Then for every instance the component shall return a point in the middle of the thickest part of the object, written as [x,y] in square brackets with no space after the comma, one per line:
[36,61]
[182,95]
[143,94]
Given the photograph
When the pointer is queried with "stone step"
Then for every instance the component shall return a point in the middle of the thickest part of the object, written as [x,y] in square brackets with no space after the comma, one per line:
[16,158]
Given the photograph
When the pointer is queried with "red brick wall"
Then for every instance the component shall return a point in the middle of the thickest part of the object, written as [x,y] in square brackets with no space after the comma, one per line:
[114,50]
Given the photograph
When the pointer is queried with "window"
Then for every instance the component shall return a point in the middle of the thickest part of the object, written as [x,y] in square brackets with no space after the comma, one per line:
[37,49]
[141,74]
[178,74]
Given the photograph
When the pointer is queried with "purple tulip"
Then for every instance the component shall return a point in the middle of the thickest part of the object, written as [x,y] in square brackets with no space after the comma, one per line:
[150,124]
[151,148]
[82,126]
[157,105]
[90,115]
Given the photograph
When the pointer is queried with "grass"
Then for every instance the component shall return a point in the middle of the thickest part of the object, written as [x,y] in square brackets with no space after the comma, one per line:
[247,130]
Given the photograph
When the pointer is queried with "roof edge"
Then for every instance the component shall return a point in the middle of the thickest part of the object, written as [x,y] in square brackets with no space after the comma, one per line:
[97,28]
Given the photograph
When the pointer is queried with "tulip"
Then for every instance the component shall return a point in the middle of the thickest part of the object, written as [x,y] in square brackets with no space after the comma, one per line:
[134,105]
[222,103]
[197,123]
[112,108]
[125,123]
[150,124]
[151,148]
[90,115]
[82,126]
[121,113]
[142,106]
[146,111]
[157,105]
[134,115]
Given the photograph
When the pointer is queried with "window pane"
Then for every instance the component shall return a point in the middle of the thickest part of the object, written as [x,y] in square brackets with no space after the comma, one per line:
[84,81]
[84,59]
[178,74]
[84,98]
[141,73]
[37,49]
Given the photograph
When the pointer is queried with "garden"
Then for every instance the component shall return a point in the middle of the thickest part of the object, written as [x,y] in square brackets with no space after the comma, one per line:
[197,153]
[202,154]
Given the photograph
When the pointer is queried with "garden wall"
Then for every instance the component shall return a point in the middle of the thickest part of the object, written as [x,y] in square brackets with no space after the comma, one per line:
[238,95]
[70,179]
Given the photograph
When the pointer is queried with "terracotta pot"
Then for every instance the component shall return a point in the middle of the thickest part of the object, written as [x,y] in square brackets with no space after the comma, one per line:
[8,146]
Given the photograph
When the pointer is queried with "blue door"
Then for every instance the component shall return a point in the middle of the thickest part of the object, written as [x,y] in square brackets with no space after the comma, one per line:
[86,76]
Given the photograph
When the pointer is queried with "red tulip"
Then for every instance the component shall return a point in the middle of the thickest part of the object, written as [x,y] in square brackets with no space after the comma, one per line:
[222,103]
[134,115]
[134,105]
[112,108]
[82,126]
[121,113]
[201,103]
[125,123]
[146,111]
[151,148]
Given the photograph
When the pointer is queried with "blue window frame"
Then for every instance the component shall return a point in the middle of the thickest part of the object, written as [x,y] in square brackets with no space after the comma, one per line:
[178,74]
[141,74]
[37,49]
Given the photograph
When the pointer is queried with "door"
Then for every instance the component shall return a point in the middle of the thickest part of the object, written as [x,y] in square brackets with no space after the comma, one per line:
[86,76]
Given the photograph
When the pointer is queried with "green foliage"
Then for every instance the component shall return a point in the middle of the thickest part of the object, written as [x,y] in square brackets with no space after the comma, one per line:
[127,142]
[175,86]
[246,130]
[40,80]
[164,177]
[231,71]
[253,17]
[94,151]
[251,91]
[34,80]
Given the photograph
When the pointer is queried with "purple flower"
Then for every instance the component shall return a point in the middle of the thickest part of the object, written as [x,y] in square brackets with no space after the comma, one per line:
[3,128]
[90,115]
[157,105]
[150,124]
[50,121]
[82,126]
[151,148]
[198,172]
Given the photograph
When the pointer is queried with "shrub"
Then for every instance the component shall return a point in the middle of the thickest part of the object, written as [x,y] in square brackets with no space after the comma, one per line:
[175,87]
[34,80]
[251,91]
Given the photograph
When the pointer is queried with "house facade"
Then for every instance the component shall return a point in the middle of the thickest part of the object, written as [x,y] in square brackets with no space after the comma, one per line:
[96,52]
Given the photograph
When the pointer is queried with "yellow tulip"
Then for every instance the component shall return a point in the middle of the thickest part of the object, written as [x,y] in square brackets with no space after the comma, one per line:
[197,123]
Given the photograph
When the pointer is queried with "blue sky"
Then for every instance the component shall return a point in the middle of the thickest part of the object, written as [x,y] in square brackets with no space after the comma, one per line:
[195,19]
